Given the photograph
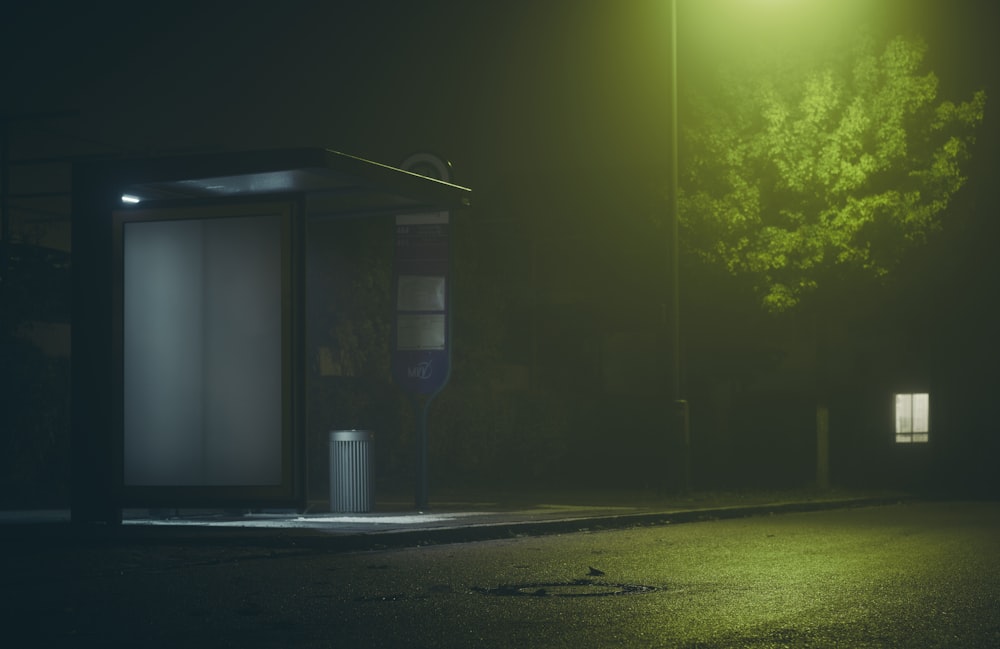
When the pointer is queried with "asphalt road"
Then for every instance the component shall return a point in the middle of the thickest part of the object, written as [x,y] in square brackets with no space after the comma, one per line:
[908,576]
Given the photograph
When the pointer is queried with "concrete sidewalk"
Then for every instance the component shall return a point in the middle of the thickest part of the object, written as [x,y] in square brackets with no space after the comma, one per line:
[456,517]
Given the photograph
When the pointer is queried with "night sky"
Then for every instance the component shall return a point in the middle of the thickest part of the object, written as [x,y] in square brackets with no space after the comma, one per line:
[506,90]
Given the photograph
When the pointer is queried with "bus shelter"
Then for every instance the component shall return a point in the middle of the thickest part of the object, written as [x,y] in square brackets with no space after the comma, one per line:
[188,339]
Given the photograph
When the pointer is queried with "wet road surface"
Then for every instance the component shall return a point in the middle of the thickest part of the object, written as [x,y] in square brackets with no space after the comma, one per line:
[909,575]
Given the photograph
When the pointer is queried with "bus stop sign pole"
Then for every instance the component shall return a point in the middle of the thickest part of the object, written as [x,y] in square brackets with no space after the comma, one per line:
[421,350]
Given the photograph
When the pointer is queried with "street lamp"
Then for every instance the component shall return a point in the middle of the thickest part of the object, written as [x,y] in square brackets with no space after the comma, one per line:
[680,404]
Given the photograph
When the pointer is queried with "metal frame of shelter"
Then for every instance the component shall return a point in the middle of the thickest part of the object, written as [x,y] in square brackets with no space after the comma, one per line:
[294,187]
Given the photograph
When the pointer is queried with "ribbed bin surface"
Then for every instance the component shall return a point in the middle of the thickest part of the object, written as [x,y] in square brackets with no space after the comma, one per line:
[352,471]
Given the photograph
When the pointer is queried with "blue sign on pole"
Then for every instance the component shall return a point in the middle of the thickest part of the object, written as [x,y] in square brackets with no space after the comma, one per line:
[421,349]
[421,358]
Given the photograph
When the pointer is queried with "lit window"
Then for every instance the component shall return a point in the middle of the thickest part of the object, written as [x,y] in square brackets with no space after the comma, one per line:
[912,417]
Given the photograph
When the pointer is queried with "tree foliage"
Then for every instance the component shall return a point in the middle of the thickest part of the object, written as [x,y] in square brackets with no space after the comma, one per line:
[792,175]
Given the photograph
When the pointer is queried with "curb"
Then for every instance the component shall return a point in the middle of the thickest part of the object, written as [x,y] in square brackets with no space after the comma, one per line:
[320,540]
[513,529]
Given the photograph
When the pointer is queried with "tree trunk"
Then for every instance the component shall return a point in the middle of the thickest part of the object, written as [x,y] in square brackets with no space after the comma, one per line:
[821,334]
[822,444]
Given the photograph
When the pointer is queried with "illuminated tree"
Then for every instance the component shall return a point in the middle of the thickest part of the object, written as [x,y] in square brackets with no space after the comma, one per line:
[799,178]
[794,175]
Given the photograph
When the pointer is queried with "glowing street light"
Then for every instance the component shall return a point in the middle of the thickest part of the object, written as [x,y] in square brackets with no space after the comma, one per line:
[680,404]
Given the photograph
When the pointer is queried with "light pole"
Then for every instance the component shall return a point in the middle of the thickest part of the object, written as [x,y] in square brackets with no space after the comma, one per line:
[681,421]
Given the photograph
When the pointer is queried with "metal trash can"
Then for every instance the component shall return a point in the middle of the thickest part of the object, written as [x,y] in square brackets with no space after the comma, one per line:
[352,471]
